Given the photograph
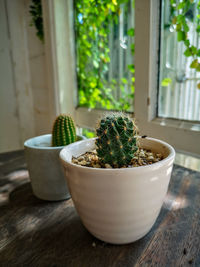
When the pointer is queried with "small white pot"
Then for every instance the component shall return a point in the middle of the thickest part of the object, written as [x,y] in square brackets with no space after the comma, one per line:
[118,205]
[46,172]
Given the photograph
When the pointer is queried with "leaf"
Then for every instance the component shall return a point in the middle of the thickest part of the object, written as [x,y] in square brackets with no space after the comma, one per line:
[132,89]
[187,43]
[114,82]
[181,36]
[198,85]
[93,84]
[132,48]
[186,27]
[96,64]
[194,64]
[131,32]
[174,20]
[88,53]
[180,18]
[181,5]
[112,8]
[82,76]
[198,53]
[194,50]
[198,29]
[188,52]
[166,81]
[131,67]
[178,27]
[114,2]
[124,80]
[198,68]
[106,59]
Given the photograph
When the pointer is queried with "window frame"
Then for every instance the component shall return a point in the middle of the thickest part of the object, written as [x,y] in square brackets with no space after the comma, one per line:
[183,135]
[60,54]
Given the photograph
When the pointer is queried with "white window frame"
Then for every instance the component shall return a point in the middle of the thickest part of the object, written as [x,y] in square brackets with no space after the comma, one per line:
[60,53]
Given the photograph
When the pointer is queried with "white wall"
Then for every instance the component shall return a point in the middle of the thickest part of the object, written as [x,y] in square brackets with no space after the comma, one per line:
[9,116]
[38,74]
[24,94]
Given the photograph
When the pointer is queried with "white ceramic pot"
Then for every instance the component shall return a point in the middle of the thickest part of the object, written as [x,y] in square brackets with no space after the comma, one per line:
[45,170]
[118,205]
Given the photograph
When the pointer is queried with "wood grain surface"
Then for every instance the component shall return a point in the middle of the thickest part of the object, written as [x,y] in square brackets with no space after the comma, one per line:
[40,233]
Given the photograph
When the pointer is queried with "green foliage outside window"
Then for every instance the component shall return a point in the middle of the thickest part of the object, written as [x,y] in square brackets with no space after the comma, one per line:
[88,133]
[181,14]
[92,21]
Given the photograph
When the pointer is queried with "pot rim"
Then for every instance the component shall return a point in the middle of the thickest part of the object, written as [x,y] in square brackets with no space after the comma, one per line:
[158,164]
[44,136]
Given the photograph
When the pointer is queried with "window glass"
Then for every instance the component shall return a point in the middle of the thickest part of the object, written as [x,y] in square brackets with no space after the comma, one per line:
[104,32]
[179,90]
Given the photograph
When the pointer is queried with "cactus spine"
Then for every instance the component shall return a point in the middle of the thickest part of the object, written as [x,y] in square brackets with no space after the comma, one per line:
[116,140]
[64,131]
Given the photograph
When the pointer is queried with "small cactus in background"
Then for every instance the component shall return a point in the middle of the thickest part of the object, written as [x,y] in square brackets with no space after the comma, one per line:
[64,131]
[116,140]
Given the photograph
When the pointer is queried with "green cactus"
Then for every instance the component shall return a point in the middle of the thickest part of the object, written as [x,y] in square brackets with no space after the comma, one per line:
[116,140]
[64,131]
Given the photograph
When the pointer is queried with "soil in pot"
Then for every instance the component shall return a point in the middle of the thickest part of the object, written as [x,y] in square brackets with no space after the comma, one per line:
[142,157]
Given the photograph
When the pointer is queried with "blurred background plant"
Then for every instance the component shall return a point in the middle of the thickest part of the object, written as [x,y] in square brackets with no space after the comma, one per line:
[37,19]
[98,33]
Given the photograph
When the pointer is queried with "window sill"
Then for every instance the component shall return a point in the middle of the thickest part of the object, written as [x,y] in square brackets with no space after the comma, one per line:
[180,124]
[188,161]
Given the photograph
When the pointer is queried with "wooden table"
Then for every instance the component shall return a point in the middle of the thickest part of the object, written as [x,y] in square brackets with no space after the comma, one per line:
[40,233]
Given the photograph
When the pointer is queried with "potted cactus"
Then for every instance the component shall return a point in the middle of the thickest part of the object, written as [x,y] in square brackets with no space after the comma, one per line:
[119,196]
[117,140]
[42,156]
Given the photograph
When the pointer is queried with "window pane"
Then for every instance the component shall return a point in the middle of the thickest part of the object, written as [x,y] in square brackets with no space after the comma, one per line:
[179,90]
[104,53]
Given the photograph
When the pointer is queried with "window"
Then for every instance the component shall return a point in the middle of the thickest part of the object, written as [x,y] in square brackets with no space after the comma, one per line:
[184,135]
[179,94]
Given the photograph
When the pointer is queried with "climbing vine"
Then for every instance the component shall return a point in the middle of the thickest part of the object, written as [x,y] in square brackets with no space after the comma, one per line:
[92,21]
[181,14]
[37,20]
